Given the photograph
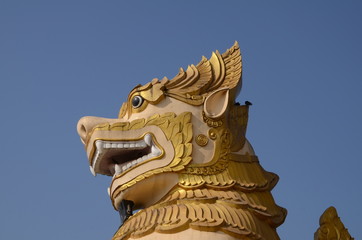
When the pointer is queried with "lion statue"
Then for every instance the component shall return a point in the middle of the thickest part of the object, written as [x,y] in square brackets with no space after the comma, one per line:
[177,153]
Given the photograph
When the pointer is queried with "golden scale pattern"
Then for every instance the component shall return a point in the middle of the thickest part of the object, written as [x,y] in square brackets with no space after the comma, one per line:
[221,204]
[231,195]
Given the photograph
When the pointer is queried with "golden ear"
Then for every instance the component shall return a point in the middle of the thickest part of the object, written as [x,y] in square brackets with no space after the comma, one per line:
[216,103]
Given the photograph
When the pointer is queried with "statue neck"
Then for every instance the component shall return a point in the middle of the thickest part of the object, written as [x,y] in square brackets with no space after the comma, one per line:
[229,200]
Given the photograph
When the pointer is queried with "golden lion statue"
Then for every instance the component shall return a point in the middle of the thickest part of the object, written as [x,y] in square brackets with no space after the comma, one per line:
[178,152]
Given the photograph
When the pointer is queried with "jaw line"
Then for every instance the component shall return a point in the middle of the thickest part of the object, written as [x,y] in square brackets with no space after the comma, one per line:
[136,193]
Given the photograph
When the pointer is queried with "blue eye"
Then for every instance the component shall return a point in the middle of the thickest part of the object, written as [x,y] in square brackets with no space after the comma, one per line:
[137,101]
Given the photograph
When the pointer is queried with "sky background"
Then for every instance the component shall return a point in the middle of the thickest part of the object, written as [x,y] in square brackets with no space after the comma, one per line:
[61,60]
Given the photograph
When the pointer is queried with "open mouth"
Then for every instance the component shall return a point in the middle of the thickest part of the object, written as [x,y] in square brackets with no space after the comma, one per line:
[113,158]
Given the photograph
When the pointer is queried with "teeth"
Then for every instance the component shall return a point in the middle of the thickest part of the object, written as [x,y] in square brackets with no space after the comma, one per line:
[117,169]
[120,168]
[155,151]
[102,147]
[92,171]
[148,139]
[109,191]
[140,144]
[99,145]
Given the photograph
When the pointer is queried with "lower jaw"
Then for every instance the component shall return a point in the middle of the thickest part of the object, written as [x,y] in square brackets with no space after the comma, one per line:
[146,192]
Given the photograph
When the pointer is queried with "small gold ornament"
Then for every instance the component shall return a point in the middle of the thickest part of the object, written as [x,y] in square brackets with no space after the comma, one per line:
[202,140]
[212,134]
[211,122]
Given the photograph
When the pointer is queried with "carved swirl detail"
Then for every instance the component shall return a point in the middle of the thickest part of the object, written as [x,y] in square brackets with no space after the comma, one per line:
[331,227]
[177,129]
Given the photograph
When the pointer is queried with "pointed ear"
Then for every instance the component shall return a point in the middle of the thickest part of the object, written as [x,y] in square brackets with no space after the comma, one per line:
[216,103]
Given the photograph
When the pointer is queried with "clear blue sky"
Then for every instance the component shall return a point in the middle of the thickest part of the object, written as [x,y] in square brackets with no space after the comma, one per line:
[61,60]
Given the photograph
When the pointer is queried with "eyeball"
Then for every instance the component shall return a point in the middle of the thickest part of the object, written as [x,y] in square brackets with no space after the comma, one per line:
[137,101]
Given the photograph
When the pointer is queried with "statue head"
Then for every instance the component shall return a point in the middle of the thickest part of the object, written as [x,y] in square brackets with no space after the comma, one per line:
[167,127]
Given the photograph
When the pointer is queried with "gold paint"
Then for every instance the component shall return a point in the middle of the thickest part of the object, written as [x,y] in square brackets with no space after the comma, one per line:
[222,147]
[151,92]
[202,140]
[230,192]
[232,196]
[232,212]
[177,129]
[331,227]
[155,94]
[123,110]
[197,82]
[238,120]
[211,122]
[212,134]
[140,108]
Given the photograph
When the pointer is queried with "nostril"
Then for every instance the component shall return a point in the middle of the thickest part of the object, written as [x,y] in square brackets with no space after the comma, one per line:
[82,129]
[82,133]
[86,124]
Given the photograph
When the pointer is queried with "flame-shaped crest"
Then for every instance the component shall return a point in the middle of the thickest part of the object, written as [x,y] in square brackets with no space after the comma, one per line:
[197,82]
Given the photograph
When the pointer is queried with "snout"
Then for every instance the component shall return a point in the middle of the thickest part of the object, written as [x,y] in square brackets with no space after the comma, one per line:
[86,124]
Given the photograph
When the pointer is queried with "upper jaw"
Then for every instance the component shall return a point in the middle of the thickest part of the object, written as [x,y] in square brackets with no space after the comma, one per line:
[115,157]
